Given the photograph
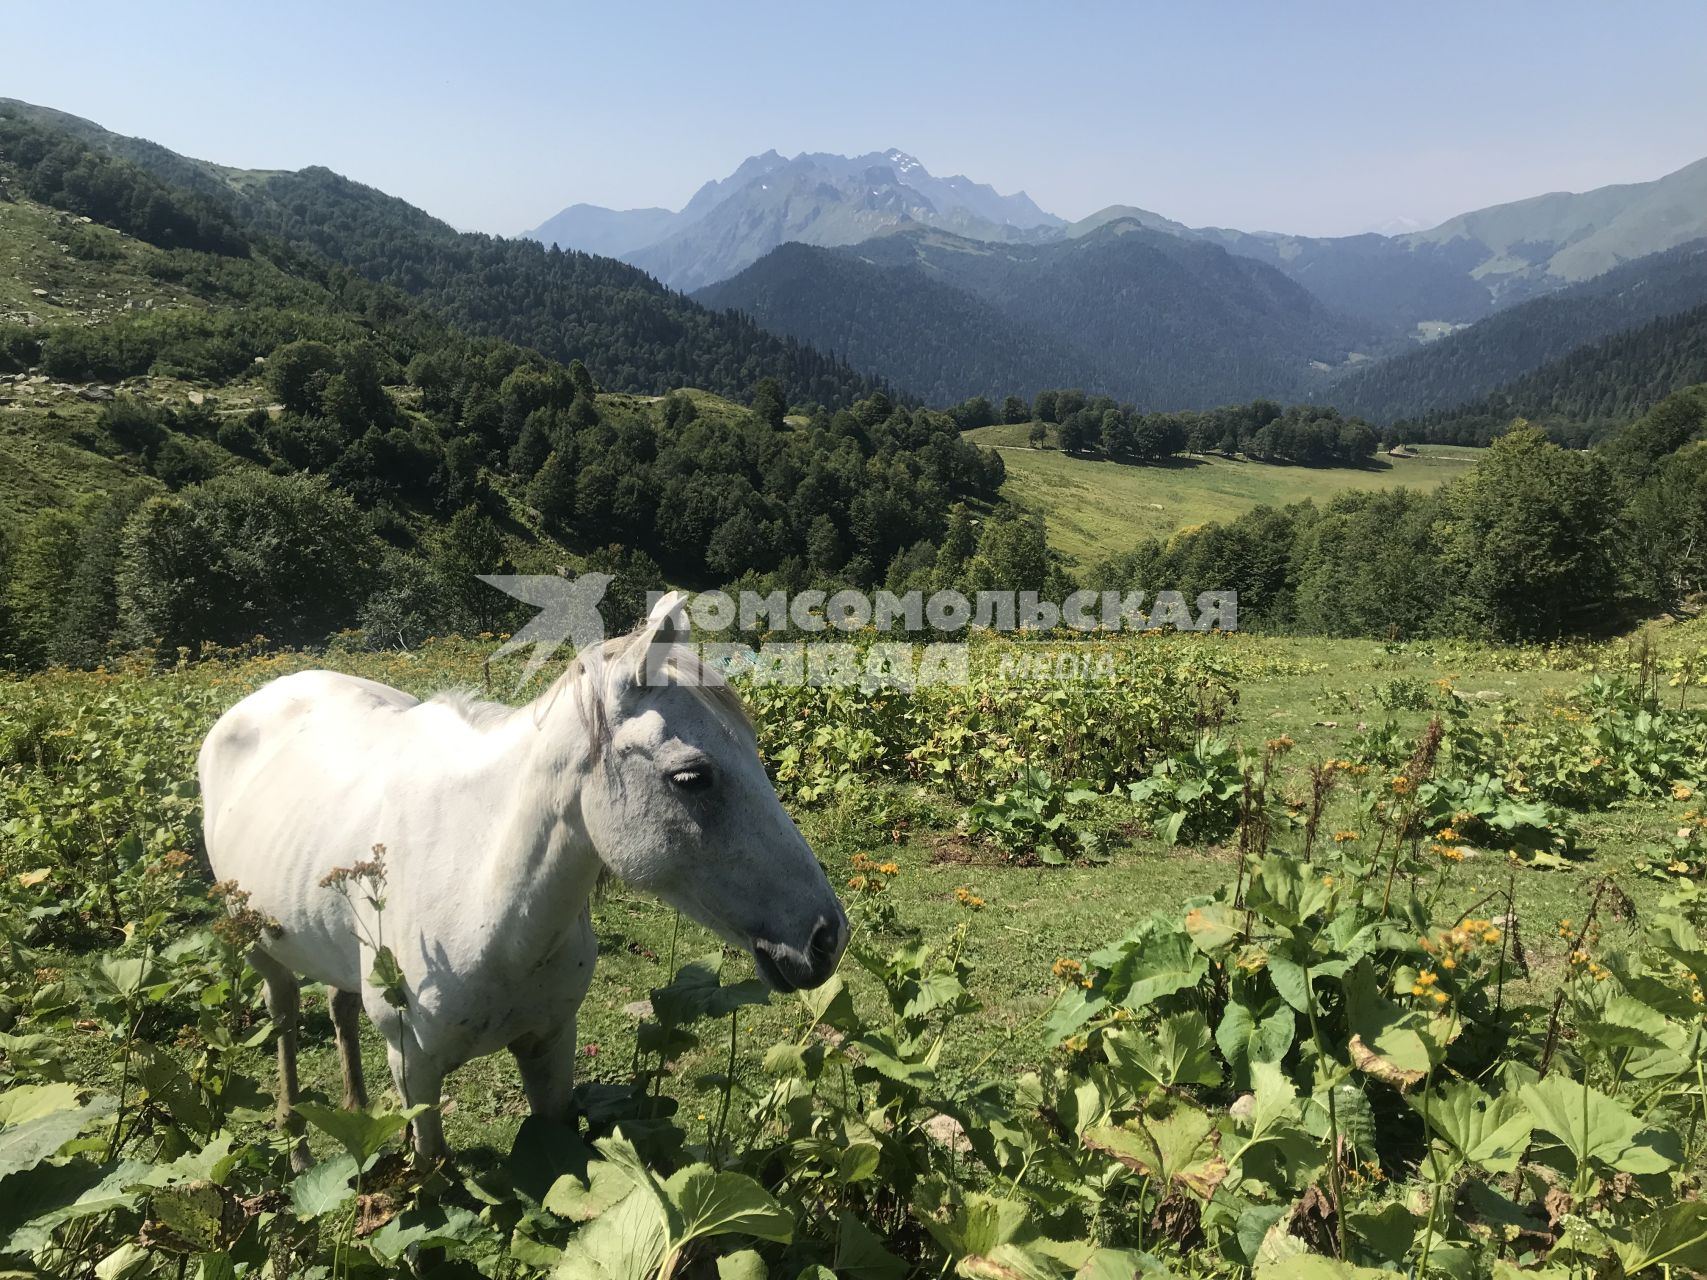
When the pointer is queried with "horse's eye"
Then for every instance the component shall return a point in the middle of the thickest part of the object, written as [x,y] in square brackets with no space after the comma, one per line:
[691,779]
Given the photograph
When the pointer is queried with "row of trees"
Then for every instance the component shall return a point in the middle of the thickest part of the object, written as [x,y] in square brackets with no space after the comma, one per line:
[1536,542]
[1307,435]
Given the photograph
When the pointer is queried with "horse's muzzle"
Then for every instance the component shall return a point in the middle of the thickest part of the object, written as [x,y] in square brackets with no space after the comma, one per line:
[786,968]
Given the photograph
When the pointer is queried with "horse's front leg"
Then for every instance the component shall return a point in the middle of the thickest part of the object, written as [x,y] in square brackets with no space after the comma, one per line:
[420,1081]
[418,1075]
[547,1064]
[546,1057]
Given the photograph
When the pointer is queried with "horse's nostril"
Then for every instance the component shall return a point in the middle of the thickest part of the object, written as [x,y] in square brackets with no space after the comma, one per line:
[827,937]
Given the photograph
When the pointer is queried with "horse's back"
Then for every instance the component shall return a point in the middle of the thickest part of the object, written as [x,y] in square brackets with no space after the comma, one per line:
[304,713]
[280,763]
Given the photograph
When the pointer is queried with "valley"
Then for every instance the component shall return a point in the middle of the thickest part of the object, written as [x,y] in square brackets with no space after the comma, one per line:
[1096,509]
[1365,940]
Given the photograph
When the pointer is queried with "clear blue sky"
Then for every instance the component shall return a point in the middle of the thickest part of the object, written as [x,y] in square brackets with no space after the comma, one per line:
[1323,118]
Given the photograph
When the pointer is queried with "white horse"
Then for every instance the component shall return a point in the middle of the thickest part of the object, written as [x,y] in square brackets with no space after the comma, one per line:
[497,823]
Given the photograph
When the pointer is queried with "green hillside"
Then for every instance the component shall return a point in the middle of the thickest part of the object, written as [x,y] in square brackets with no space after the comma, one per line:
[1097,509]
[628,329]
[208,433]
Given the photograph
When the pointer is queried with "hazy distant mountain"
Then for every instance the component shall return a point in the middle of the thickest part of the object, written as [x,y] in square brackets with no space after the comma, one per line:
[592,228]
[1533,245]
[1453,274]
[1372,276]
[815,198]
[1165,320]
[1473,264]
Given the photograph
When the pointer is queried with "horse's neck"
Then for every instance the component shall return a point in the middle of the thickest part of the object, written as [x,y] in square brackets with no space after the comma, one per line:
[542,868]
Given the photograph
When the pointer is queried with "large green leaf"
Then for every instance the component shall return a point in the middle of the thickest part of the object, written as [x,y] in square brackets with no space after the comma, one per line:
[1386,1231]
[583,1199]
[27,1144]
[624,1243]
[1395,1045]
[1488,1130]
[1157,966]
[1594,1127]
[1675,1237]
[696,992]
[744,1265]
[976,1225]
[196,1214]
[1120,1264]
[1313,1266]
[1245,1038]
[1213,927]
[1007,1262]
[361,1133]
[323,1188]
[1176,1053]
[861,1255]
[1286,891]
[710,1203]
[426,1226]
[30,1101]
[1180,1144]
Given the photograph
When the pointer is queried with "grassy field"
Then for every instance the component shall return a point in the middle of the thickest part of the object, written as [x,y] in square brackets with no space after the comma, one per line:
[1319,694]
[1097,509]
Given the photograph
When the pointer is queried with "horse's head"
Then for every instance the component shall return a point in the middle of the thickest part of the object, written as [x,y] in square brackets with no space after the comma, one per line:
[678,803]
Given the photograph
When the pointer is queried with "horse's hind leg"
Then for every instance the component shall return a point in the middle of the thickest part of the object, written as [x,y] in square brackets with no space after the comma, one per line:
[284,1006]
[346,1009]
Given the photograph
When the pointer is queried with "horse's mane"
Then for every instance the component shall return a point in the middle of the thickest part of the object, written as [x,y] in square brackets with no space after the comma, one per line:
[682,667]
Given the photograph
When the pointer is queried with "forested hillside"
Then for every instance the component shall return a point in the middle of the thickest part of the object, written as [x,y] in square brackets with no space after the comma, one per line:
[230,436]
[630,331]
[1476,361]
[1586,394]
[1166,322]
[922,333]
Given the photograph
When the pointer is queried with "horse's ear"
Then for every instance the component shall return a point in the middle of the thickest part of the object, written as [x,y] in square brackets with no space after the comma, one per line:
[665,625]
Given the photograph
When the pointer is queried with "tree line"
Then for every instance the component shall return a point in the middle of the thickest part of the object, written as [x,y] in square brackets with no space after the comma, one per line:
[1537,542]
[1301,434]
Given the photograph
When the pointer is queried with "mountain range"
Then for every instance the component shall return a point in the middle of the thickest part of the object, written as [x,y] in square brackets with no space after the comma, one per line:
[947,289]
[1454,273]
